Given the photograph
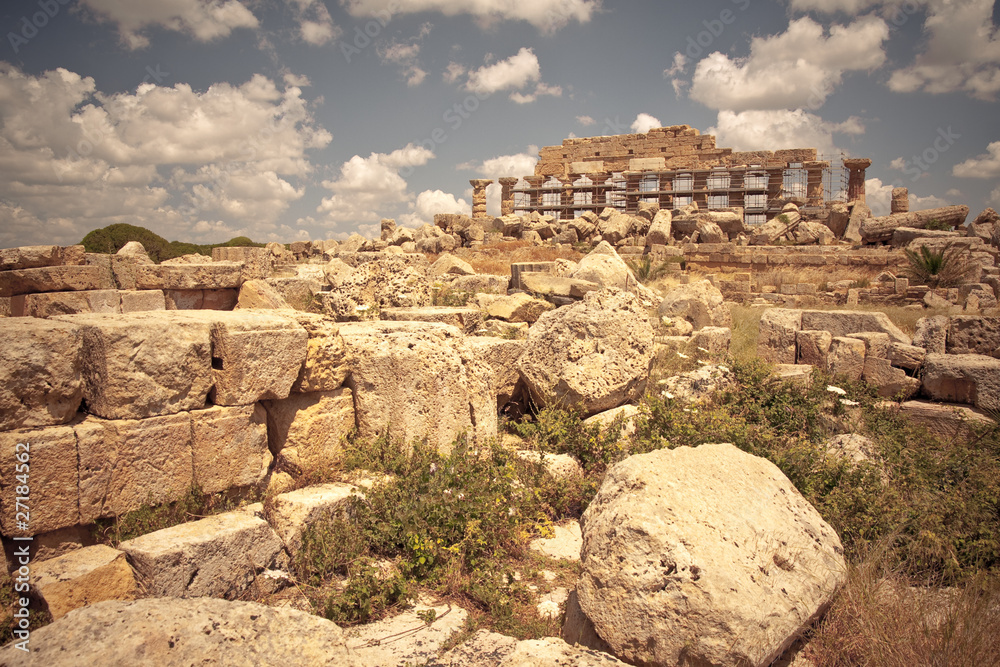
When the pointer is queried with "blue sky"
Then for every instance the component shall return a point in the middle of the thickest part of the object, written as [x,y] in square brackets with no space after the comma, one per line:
[310,119]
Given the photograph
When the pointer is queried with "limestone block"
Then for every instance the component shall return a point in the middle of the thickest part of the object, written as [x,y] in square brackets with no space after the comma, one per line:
[256,355]
[37,256]
[974,335]
[500,357]
[714,340]
[704,555]
[212,276]
[41,379]
[293,512]
[415,380]
[843,322]
[200,299]
[847,357]
[519,307]
[909,357]
[218,556]
[778,331]
[565,543]
[945,421]
[700,303]
[932,334]
[595,354]
[68,303]
[128,463]
[141,300]
[327,362]
[314,424]
[481,284]
[229,446]
[416,642]
[545,285]
[813,347]
[185,632]
[449,264]
[963,378]
[83,577]
[259,294]
[876,343]
[144,364]
[54,501]
[53,279]
[890,381]
[469,320]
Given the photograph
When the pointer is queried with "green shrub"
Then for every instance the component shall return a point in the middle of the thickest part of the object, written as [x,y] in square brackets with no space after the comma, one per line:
[947,267]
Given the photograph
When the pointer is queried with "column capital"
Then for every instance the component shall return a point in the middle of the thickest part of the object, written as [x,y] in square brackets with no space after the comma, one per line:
[857,163]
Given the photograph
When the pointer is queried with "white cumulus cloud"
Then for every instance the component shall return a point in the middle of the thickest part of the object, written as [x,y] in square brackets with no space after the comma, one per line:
[75,158]
[799,68]
[431,202]
[204,20]
[878,196]
[643,123]
[513,73]
[546,15]
[780,128]
[986,165]
[368,188]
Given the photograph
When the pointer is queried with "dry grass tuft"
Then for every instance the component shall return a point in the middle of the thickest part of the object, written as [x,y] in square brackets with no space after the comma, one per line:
[878,619]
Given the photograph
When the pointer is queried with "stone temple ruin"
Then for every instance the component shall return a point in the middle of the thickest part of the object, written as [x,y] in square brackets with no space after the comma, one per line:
[248,369]
[674,167]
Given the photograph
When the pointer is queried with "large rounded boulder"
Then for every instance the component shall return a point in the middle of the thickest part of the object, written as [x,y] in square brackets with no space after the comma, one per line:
[704,556]
[593,355]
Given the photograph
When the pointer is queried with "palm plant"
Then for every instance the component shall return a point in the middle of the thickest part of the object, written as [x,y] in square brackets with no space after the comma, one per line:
[938,268]
[643,269]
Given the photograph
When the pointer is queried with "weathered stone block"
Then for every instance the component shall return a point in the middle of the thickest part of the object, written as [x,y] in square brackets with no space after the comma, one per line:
[413,380]
[890,382]
[469,320]
[876,343]
[125,464]
[847,357]
[963,378]
[216,275]
[256,355]
[141,300]
[83,577]
[519,307]
[68,303]
[500,357]
[974,335]
[198,299]
[49,457]
[218,556]
[843,322]
[36,256]
[292,513]
[909,357]
[259,294]
[327,362]
[314,424]
[932,334]
[714,340]
[945,421]
[144,364]
[813,347]
[230,447]
[778,330]
[53,279]
[40,373]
